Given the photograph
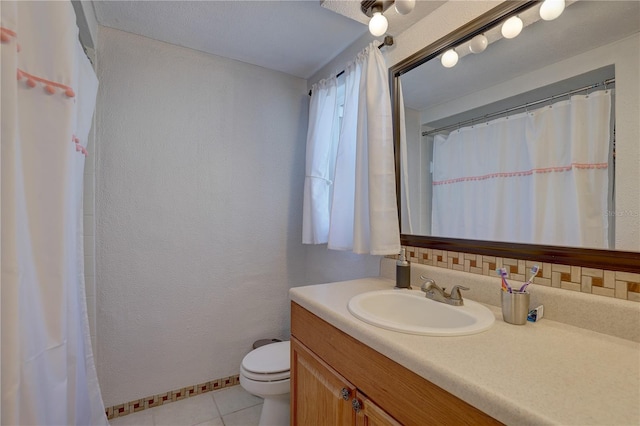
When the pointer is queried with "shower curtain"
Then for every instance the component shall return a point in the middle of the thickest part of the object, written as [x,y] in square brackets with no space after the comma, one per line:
[536,177]
[48,97]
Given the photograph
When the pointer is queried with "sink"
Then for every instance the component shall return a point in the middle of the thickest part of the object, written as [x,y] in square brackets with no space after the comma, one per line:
[409,311]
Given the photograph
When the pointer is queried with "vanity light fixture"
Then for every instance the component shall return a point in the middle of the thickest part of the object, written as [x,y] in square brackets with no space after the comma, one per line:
[404,7]
[478,44]
[378,24]
[551,9]
[512,27]
[449,58]
[375,8]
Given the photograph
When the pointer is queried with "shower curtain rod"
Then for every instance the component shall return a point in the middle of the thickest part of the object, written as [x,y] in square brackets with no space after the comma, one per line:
[388,41]
[526,105]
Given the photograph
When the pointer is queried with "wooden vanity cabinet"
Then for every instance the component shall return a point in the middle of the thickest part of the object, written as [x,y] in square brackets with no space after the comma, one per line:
[323,397]
[369,414]
[331,372]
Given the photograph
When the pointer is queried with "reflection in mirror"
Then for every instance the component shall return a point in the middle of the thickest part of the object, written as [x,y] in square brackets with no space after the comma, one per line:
[533,140]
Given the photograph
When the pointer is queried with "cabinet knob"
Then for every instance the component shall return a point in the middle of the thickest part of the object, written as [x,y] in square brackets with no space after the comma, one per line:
[345,394]
[357,405]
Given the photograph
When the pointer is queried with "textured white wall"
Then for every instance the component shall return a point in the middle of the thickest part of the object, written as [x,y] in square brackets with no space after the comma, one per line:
[199,179]
[628,149]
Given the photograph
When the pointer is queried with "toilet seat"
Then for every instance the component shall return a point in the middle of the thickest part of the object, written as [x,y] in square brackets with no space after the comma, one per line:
[261,377]
[267,363]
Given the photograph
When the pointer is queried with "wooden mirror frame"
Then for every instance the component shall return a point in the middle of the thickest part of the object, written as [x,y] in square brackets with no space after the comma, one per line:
[591,258]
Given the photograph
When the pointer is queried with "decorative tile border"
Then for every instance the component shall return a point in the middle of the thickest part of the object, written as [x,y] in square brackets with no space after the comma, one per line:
[171,396]
[601,282]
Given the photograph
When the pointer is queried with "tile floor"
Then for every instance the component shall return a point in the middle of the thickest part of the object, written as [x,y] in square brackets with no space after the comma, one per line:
[226,407]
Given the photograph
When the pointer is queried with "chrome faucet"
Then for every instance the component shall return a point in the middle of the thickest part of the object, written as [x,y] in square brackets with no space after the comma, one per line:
[434,292]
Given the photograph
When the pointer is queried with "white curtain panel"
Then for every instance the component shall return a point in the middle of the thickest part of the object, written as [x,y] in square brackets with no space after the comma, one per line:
[366,220]
[48,97]
[536,177]
[320,161]
[343,207]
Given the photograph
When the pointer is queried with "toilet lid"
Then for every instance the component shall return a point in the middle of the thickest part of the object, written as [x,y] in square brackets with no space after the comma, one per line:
[267,359]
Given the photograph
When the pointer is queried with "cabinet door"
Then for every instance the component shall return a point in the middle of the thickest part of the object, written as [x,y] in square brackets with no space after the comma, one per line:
[319,395]
[369,414]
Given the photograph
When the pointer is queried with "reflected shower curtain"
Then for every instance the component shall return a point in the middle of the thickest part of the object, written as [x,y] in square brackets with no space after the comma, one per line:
[536,177]
[48,97]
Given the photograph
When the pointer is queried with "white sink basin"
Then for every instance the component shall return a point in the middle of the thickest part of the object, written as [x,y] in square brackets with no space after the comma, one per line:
[409,311]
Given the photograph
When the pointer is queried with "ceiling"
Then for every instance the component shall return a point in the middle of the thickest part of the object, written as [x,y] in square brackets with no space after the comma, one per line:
[297,37]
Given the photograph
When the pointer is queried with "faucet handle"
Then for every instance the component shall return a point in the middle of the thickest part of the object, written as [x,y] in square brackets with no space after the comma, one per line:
[427,284]
[455,292]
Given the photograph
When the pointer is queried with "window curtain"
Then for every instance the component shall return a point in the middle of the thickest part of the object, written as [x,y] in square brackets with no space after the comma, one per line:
[363,212]
[48,97]
[343,207]
[320,161]
[537,177]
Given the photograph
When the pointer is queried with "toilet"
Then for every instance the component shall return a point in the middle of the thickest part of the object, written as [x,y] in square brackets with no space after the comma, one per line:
[264,372]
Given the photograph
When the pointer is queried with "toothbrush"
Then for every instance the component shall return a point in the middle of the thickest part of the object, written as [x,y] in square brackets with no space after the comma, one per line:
[534,271]
[503,274]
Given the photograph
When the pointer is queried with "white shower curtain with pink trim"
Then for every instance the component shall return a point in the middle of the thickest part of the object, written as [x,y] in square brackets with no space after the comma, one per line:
[48,98]
[537,177]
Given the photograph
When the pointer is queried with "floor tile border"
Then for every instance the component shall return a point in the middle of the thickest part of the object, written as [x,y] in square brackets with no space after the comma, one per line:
[170,396]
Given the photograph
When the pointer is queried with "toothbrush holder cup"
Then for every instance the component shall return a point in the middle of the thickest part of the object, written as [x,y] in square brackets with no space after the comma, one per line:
[515,307]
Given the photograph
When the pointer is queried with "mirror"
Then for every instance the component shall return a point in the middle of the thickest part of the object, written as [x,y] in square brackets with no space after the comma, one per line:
[590,44]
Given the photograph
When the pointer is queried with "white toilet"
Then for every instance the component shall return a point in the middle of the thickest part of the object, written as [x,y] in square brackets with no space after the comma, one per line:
[264,372]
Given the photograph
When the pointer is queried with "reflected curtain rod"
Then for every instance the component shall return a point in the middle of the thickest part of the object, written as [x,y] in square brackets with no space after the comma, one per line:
[388,41]
[526,105]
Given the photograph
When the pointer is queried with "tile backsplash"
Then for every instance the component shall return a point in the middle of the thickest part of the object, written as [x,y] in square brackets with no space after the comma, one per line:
[601,282]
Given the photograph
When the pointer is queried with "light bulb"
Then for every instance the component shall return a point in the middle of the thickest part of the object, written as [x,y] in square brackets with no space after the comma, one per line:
[449,59]
[378,24]
[512,27]
[551,9]
[478,44]
[403,7]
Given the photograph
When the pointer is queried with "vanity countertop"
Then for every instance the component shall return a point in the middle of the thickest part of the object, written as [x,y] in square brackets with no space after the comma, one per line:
[539,373]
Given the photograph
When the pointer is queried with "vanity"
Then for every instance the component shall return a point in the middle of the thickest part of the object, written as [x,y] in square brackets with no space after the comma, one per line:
[348,376]
[345,371]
